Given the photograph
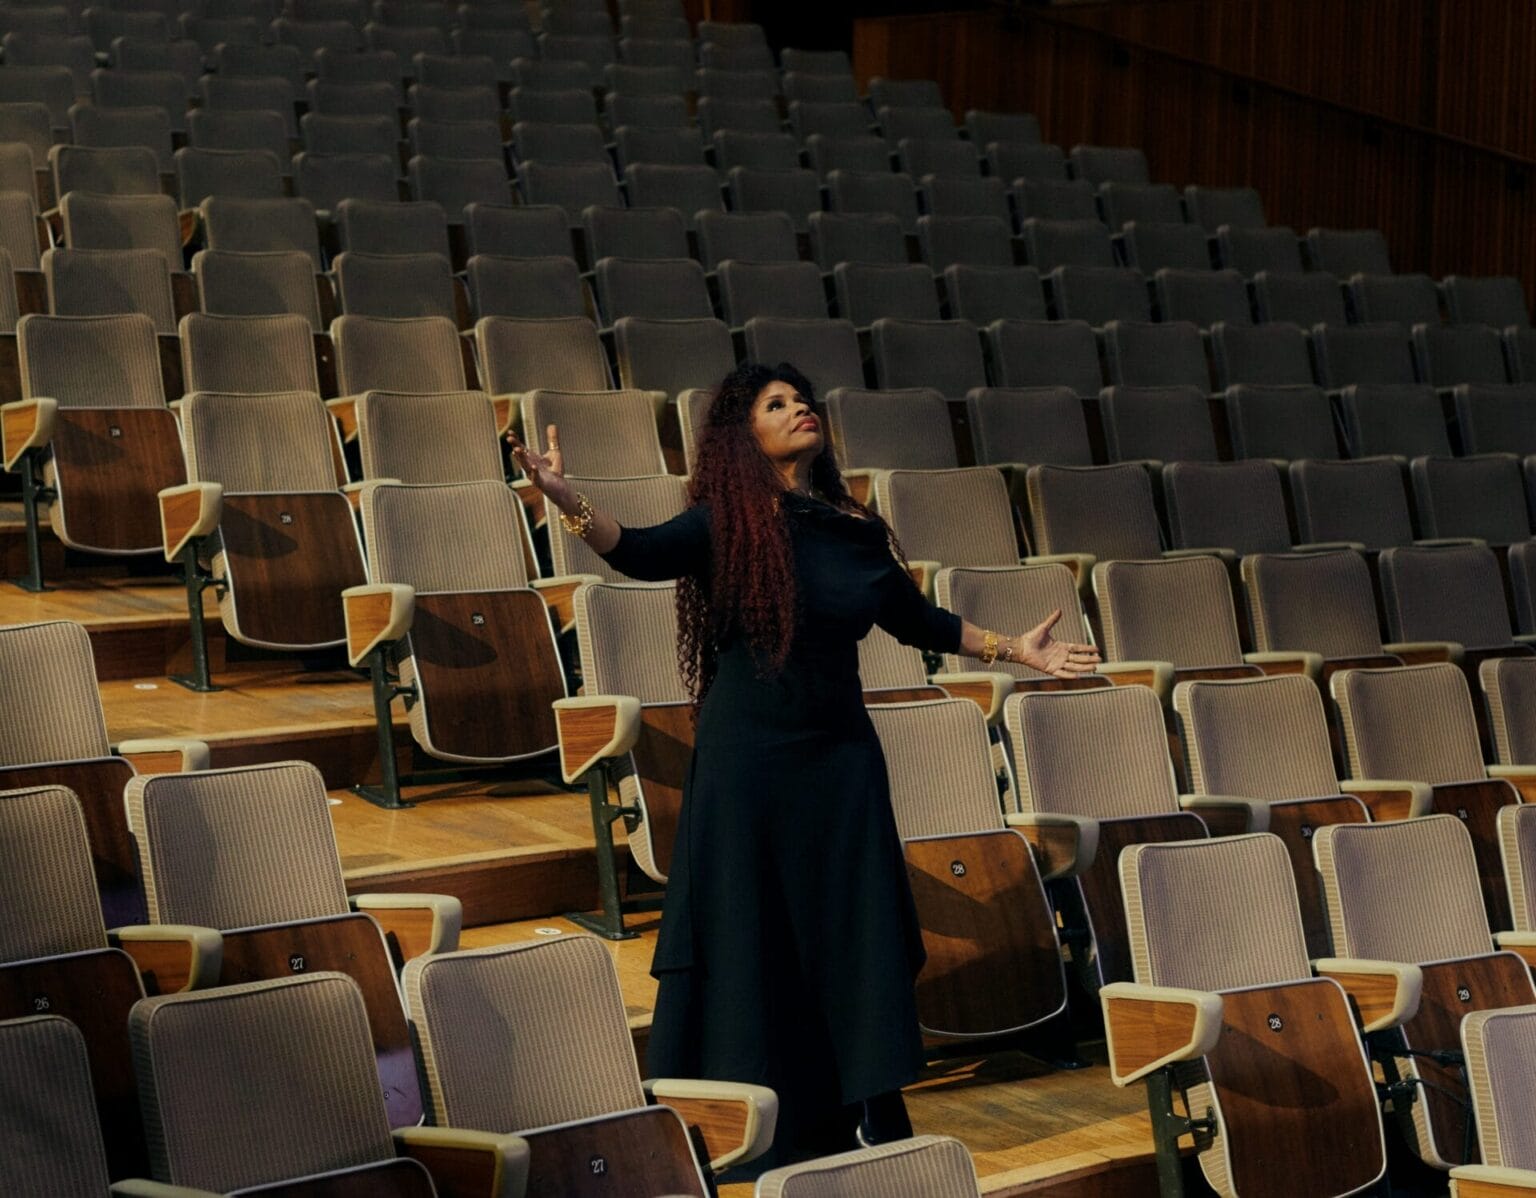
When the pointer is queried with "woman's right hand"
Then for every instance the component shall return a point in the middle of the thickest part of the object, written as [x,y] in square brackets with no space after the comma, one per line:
[546,471]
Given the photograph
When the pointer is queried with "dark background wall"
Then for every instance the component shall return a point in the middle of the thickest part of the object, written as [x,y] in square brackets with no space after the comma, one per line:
[1414,116]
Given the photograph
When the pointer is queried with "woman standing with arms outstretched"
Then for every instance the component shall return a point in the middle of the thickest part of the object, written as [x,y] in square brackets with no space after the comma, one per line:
[789,943]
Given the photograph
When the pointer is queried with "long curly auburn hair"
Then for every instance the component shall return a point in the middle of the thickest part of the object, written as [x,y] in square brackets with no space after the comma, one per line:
[751,590]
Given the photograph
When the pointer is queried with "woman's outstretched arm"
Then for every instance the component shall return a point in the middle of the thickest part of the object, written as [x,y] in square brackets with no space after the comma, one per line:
[1036,648]
[546,471]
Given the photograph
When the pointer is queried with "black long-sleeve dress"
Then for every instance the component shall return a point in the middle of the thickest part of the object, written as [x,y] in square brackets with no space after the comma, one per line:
[789,942]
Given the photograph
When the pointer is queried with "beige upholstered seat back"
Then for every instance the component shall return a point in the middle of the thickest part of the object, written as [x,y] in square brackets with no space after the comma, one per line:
[91,361]
[885,662]
[455,537]
[940,765]
[246,354]
[419,353]
[958,517]
[10,309]
[517,355]
[1014,598]
[633,502]
[1517,847]
[52,709]
[1500,1048]
[1446,593]
[1406,890]
[236,848]
[1103,510]
[106,282]
[1282,591]
[230,283]
[1261,738]
[256,1083]
[603,434]
[445,437]
[1414,723]
[281,442]
[889,429]
[1098,753]
[627,637]
[1509,683]
[520,1036]
[1177,610]
[922,1167]
[1213,914]
[94,221]
[47,888]
[48,1111]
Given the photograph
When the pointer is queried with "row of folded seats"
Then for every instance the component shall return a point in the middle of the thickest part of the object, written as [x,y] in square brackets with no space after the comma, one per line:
[1406,882]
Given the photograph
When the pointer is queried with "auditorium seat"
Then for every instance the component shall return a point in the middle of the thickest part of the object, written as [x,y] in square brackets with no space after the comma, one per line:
[1496,1046]
[1346,252]
[396,286]
[815,62]
[52,86]
[542,141]
[1012,427]
[942,354]
[1448,592]
[334,97]
[856,237]
[406,42]
[321,1126]
[1154,203]
[1360,502]
[231,354]
[1362,353]
[373,227]
[944,794]
[1098,294]
[26,48]
[142,89]
[904,93]
[251,58]
[1154,424]
[971,240]
[1496,301]
[1150,248]
[528,288]
[630,110]
[872,192]
[1520,353]
[1053,243]
[633,502]
[213,129]
[867,291]
[327,179]
[250,174]
[519,355]
[122,222]
[1493,419]
[1438,924]
[457,182]
[782,290]
[661,145]
[758,151]
[1054,200]
[919,154]
[758,115]
[570,106]
[260,225]
[147,127]
[106,170]
[922,1167]
[860,153]
[795,192]
[603,434]
[1233,207]
[1482,497]
[941,196]
[454,139]
[898,429]
[1404,299]
[1202,297]
[825,351]
[1279,423]
[447,616]
[1447,356]
[980,295]
[1300,299]
[925,508]
[50,1121]
[1250,251]
[735,83]
[1155,355]
[1109,164]
[330,133]
[52,434]
[252,93]
[689,189]
[580,1036]
[1238,974]
[747,236]
[656,289]
[443,437]
[1038,353]
[674,357]
[241,512]
[634,233]
[526,231]
[1405,420]
[353,65]
[311,37]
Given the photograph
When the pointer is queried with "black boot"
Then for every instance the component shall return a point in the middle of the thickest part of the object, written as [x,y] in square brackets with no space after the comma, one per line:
[885,1119]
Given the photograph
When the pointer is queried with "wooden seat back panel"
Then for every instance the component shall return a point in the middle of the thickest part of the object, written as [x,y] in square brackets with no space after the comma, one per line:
[387,1179]
[94,990]
[1099,884]
[287,558]
[353,945]
[994,964]
[903,694]
[1298,1108]
[1453,990]
[638,1152]
[661,755]
[487,671]
[1294,823]
[1477,804]
[99,786]
[109,464]
[1089,682]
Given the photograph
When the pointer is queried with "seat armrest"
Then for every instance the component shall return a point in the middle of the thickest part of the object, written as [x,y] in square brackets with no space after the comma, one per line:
[1156,674]
[1443,542]
[1064,845]
[735,1119]
[1521,777]
[559,594]
[187,513]
[1228,556]
[1081,565]
[1492,1181]
[1525,638]
[1329,547]
[165,754]
[344,409]
[467,1164]
[1522,944]
[1273,662]
[594,728]
[172,956]
[354,491]
[923,573]
[376,614]
[1385,993]
[25,424]
[984,688]
[1228,815]
[1389,798]
[861,483]
[506,409]
[1148,1027]
[139,1187]
[1417,653]
[417,923]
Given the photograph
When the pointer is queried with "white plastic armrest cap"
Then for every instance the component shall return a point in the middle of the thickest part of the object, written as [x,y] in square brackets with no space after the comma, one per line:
[1257,809]
[576,760]
[1421,794]
[44,412]
[447,914]
[1409,981]
[205,947]
[1311,663]
[1204,1032]
[761,1106]
[997,685]
[139,1187]
[1515,1180]
[194,753]
[365,630]
[203,519]
[1083,852]
[510,1178]
[1161,671]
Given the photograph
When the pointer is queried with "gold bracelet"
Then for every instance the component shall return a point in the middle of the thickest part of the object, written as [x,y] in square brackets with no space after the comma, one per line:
[988,648]
[580,524]
[1007,650]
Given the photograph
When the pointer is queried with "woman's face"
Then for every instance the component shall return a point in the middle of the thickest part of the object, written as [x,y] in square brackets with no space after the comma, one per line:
[785,426]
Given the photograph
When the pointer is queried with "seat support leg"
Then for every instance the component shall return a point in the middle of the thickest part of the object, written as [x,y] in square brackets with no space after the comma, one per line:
[1167,1127]
[32,495]
[385,691]
[609,922]
[197,582]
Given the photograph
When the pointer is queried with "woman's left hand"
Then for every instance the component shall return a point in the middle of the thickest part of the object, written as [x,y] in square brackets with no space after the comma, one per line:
[1038,649]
